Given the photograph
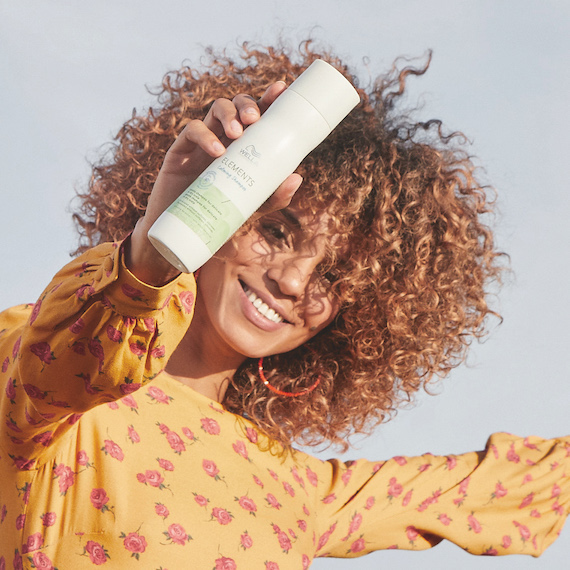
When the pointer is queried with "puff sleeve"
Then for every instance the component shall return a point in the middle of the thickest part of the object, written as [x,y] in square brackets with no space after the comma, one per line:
[96,334]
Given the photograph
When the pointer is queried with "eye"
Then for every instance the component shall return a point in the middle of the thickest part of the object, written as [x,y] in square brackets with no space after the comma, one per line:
[275,232]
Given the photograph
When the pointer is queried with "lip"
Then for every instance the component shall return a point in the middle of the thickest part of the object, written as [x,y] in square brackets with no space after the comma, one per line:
[252,314]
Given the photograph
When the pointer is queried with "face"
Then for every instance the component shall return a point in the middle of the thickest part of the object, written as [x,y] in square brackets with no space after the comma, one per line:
[264,292]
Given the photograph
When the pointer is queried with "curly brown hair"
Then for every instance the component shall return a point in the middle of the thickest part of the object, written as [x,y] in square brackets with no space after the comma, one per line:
[408,211]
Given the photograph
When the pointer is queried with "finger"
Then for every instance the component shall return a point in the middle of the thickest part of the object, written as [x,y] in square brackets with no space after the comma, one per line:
[223,119]
[197,135]
[272,92]
[247,108]
[282,197]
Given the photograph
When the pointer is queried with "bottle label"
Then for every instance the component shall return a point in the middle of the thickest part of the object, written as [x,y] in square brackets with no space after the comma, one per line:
[208,212]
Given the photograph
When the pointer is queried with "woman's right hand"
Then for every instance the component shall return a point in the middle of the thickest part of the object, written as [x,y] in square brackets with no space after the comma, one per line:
[195,148]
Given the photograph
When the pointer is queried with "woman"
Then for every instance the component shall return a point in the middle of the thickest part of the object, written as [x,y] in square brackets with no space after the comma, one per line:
[149,419]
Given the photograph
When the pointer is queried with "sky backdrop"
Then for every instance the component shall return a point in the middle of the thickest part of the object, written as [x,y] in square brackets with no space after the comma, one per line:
[71,73]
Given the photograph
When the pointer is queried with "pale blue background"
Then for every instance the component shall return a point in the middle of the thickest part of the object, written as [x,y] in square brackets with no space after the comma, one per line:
[71,72]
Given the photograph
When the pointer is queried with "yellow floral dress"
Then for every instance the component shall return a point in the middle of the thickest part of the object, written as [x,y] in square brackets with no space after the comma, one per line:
[105,460]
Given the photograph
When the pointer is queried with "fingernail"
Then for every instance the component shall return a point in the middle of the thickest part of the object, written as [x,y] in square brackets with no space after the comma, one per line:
[251,111]
[218,147]
[236,126]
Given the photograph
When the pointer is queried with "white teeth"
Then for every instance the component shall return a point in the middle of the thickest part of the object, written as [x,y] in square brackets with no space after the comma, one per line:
[262,307]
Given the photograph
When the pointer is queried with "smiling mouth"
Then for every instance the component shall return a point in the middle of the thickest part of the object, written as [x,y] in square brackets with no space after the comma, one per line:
[262,308]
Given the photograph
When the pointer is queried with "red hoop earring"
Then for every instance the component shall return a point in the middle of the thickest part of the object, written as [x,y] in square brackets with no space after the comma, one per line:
[280,392]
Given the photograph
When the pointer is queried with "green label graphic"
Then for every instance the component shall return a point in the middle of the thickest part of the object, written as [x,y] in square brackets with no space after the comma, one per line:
[208,212]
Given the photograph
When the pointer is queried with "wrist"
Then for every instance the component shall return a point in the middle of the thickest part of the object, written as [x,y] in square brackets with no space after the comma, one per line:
[144,261]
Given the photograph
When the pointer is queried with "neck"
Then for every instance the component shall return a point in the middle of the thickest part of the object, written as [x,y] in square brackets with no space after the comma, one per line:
[202,363]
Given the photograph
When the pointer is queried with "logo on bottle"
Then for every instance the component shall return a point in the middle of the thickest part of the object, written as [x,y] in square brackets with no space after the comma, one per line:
[207,179]
[250,153]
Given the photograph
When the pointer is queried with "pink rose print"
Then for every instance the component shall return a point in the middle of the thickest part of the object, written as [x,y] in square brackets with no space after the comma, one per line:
[34,392]
[201,500]
[43,351]
[507,541]
[161,510]
[251,434]
[3,513]
[429,501]
[41,561]
[491,552]
[158,395]
[82,458]
[165,464]
[20,521]
[138,348]
[48,519]
[306,510]
[133,434]
[77,326]
[23,463]
[306,562]
[394,488]
[556,490]
[113,334]
[240,449]
[312,477]
[78,348]
[247,504]
[444,519]
[288,489]
[527,501]
[85,289]
[112,406]
[113,449]
[400,460]
[210,425]
[412,533]
[129,387]
[246,541]
[17,561]
[355,523]
[174,440]
[474,524]
[224,563]
[223,516]
[271,566]
[451,462]
[99,498]
[16,347]
[302,525]
[97,553]
[329,498]
[325,536]
[558,508]
[130,402]
[96,349]
[358,545]
[512,454]
[500,491]
[177,534]
[11,390]
[534,513]
[5,364]
[370,503]
[258,481]
[188,433]
[35,312]
[158,352]
[272,501]
[210,468]
[65,476]
[135,543]
[527,479]
[523,530]
[35,542]
[43,438]
[131,292]
[284,540]
[187,300]
[151,477]
[150,324]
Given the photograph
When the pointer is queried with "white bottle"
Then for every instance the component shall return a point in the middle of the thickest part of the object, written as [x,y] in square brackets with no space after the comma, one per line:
[227,193]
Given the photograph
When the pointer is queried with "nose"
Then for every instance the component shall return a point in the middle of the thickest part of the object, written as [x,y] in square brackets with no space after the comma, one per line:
[292,275]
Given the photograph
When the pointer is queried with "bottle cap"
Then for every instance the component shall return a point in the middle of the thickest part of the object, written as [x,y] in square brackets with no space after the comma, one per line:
[328,90]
